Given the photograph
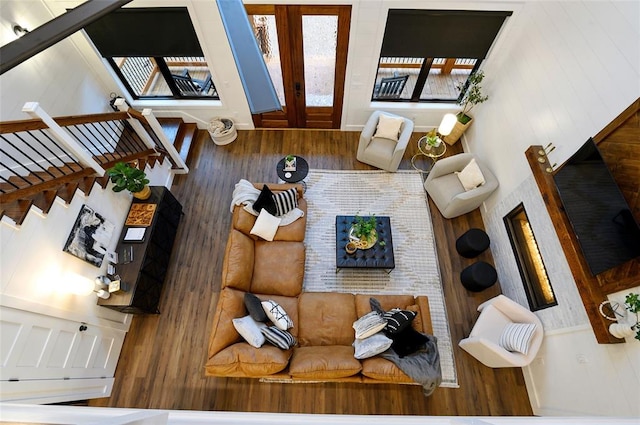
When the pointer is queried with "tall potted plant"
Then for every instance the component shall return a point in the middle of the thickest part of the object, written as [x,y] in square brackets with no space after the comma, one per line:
[471,98]
[131,178]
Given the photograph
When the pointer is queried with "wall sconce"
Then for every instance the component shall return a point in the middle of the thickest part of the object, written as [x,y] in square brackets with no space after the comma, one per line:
[447,124]
[19,30]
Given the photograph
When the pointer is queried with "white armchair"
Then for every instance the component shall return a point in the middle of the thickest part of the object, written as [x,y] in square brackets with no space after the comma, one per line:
[483,341]
[379,151]
[446,191]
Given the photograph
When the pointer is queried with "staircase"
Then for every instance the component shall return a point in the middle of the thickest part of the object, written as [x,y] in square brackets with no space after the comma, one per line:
[40,188]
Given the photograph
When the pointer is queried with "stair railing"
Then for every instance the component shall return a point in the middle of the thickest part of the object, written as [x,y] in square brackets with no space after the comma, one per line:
[43,152]
[146,123]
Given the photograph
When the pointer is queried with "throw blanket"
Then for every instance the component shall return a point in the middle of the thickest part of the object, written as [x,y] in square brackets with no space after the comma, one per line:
[246,194]
[422,366]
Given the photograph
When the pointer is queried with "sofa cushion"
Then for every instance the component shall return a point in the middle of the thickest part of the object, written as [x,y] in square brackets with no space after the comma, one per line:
[277,314]
[266,226]
[272,275]
[383,370]
[290,305]
[371,346]
[275,336]
[517,337]
[369,324]
[237,268]
[398,320]
[389,127]
[326,318]
[249,330]
[241,359]
[325,362]
[470,176]
[230,306]
[285,201]
[254,307]
[244,221]
[265,201]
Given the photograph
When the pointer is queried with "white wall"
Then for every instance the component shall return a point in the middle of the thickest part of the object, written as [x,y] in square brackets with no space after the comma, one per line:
[567,69]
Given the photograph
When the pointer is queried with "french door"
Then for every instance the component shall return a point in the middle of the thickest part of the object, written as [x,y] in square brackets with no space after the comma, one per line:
[305,49]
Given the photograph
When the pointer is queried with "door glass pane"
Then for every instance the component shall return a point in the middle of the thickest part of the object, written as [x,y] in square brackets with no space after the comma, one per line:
[143,75]
[396,78]
[191,75]
[319,38]
[264,27]
[444,77]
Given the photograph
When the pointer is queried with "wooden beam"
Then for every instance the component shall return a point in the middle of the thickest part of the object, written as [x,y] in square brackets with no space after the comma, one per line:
[587,284]
[59,28]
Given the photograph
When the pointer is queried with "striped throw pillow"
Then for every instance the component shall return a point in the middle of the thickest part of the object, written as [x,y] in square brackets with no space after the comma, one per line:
[285,201]
[278,337]
[517,337]
[398,320]
[368,325]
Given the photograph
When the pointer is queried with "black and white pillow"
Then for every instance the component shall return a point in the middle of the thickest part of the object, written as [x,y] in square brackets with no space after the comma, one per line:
[516,337]
[278,337]
[285,201]
[265,200]
[398,320]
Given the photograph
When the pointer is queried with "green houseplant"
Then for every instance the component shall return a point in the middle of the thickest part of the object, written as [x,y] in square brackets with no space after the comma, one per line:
[632,304]
[130,178]
[364,230]
[472,97]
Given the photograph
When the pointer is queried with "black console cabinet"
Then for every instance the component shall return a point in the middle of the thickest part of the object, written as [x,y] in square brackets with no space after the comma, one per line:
[143,277]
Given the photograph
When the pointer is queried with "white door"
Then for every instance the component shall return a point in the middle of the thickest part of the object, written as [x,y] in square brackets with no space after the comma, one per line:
[34,347]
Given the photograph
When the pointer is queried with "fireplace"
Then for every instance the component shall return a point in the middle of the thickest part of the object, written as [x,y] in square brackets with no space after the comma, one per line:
[530,264]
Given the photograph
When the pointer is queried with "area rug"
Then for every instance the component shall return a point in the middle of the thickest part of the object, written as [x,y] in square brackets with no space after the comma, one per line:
[400,196]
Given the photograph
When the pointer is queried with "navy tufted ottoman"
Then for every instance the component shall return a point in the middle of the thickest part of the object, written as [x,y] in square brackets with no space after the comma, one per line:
[478,276]
[472,243]
[376,257]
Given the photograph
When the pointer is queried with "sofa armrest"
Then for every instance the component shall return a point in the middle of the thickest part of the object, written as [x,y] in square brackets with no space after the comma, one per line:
[425,313]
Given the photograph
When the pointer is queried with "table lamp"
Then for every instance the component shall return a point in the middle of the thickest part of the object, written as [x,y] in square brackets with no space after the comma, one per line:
[447,124]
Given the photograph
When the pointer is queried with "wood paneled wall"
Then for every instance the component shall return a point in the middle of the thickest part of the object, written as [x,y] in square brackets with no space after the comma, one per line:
[619,143]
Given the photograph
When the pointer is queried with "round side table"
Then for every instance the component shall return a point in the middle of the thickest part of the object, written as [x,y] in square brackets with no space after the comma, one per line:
[297,176]
[432,152]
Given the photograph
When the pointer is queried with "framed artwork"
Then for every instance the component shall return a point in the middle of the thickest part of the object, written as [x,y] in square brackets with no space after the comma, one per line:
[89,237]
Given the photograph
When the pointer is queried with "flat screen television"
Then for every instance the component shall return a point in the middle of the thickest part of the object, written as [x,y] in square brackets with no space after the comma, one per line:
[600,216]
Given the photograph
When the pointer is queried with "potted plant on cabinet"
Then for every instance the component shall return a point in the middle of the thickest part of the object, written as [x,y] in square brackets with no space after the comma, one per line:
[471,98]
[131,178]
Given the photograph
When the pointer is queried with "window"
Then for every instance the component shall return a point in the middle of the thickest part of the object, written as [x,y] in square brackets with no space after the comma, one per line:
[151,63]
[427,54]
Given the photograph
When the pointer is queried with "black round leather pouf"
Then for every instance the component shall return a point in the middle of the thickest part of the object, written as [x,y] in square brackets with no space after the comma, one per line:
[472,243]
[478,276]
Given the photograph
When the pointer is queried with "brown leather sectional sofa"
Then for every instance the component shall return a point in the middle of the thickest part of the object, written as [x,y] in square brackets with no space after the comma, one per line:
[322,321]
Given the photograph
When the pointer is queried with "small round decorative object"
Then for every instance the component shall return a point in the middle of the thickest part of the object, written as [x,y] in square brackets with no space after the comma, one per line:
[351,248]
[287,175]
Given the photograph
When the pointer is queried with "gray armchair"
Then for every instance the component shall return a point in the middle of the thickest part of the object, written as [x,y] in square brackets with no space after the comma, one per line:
[446,191]
[381,152]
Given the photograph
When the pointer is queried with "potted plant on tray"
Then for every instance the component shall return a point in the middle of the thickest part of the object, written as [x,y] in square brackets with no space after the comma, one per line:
[471,98]
[131,178]
[364,231]
[622,330]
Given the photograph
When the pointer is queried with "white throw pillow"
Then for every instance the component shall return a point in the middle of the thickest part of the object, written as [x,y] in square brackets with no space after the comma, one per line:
[369,324]
[517,337]
[471,176]
[369,347]
[266,225]
[388,127]
[249,330]
[277,315]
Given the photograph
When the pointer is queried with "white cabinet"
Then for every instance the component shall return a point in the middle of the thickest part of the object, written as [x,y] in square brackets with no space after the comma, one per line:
[49,353]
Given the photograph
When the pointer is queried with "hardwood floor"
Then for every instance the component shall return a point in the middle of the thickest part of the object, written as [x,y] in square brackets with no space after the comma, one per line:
[162,361]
